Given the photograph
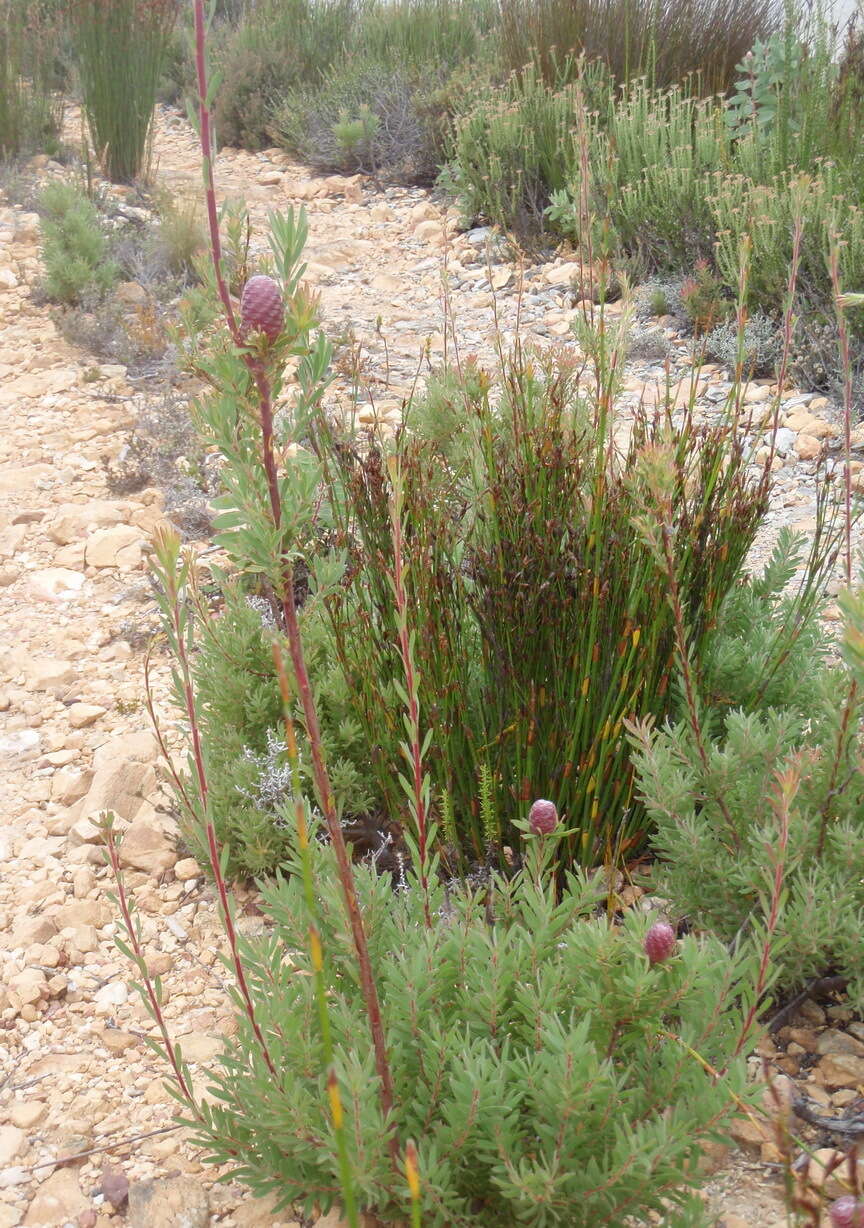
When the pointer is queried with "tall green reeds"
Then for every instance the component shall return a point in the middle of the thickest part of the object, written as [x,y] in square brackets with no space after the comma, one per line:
[30,102]
[121,46]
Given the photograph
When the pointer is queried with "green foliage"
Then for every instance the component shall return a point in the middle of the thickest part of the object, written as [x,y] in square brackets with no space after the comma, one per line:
[121,48]
[30,100]
[531,1047]
[361,115]
[703,299]
[241,723]
[804,721]
[513,147]
[74,248]
[279,48]
[539,617]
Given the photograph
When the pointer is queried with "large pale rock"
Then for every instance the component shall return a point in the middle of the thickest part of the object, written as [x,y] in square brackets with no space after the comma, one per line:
[140,746]
[147,846]
[119,546]
[34,384]
[56,584]
[841,1070]
[48,674]
[27,987]
[12,1141]
[122,788]
[72,521]
[57,1201]
[173,1203]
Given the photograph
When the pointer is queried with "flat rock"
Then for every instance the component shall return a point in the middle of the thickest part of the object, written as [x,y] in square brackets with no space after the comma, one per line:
[57,1201]
[173,1203]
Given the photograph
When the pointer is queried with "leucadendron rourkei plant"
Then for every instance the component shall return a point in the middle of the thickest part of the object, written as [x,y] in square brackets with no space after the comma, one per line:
[448,1053]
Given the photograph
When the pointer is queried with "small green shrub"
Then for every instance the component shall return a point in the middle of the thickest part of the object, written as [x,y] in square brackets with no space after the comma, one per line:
[361,116]
[703,298]
[277,49]
[532,1048]
[513,147]
[74,249]
[806,724]
[758,346]
[241,719]
[121,48]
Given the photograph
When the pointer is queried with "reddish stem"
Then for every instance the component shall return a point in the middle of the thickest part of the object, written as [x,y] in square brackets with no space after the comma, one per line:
[287,600]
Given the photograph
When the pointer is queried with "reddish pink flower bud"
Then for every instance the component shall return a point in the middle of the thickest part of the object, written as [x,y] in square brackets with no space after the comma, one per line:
[846,1212]
[261,307]
[542,817]
[659,942]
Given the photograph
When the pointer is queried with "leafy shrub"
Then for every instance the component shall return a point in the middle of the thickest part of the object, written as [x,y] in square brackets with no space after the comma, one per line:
[361,116]
[74,249]
[758,346]
[670,41]
[704,302]
[531,1051]
[30,102]
[274,51]
[424,34]
[121,48]
[714,855]
[241,719]
[513,147]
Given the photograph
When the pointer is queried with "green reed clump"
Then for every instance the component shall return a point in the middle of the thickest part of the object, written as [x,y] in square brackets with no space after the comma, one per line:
[121,45]
[671,41]
[30,99]
[539,617]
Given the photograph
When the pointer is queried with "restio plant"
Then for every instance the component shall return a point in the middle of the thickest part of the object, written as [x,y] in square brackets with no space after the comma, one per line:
[121,46]
[31,82]
[74,248]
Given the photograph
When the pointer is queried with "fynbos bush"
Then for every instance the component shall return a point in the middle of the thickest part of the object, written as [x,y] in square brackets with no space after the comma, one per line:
[536,1055]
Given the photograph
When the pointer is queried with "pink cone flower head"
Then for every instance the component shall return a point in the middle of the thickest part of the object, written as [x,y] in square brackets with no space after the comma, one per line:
[542,817]
[846,1212]
[660,942]
[261,307]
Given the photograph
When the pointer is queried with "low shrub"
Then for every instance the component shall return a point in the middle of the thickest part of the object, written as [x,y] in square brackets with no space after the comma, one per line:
[361,117]
[277,49]
[74,249]
[121,48]
[512,148]
[713,817]
[241,722]
[537,1057]
[758,346]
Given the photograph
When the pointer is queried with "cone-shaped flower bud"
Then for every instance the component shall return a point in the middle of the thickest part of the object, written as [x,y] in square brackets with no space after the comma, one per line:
[261,307]
[542,817]
[659,942]
[846,1212]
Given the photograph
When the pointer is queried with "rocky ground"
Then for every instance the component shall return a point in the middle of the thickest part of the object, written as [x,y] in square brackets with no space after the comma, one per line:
[76,1076]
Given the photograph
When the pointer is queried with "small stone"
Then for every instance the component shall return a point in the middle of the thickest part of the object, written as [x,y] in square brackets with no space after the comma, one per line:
[808,448]
[56,1201]
[12,1140]
[187,868]
[81,715]
[176,1202]
[145,846]
[27,1113]
[119,546]
[841,1070]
